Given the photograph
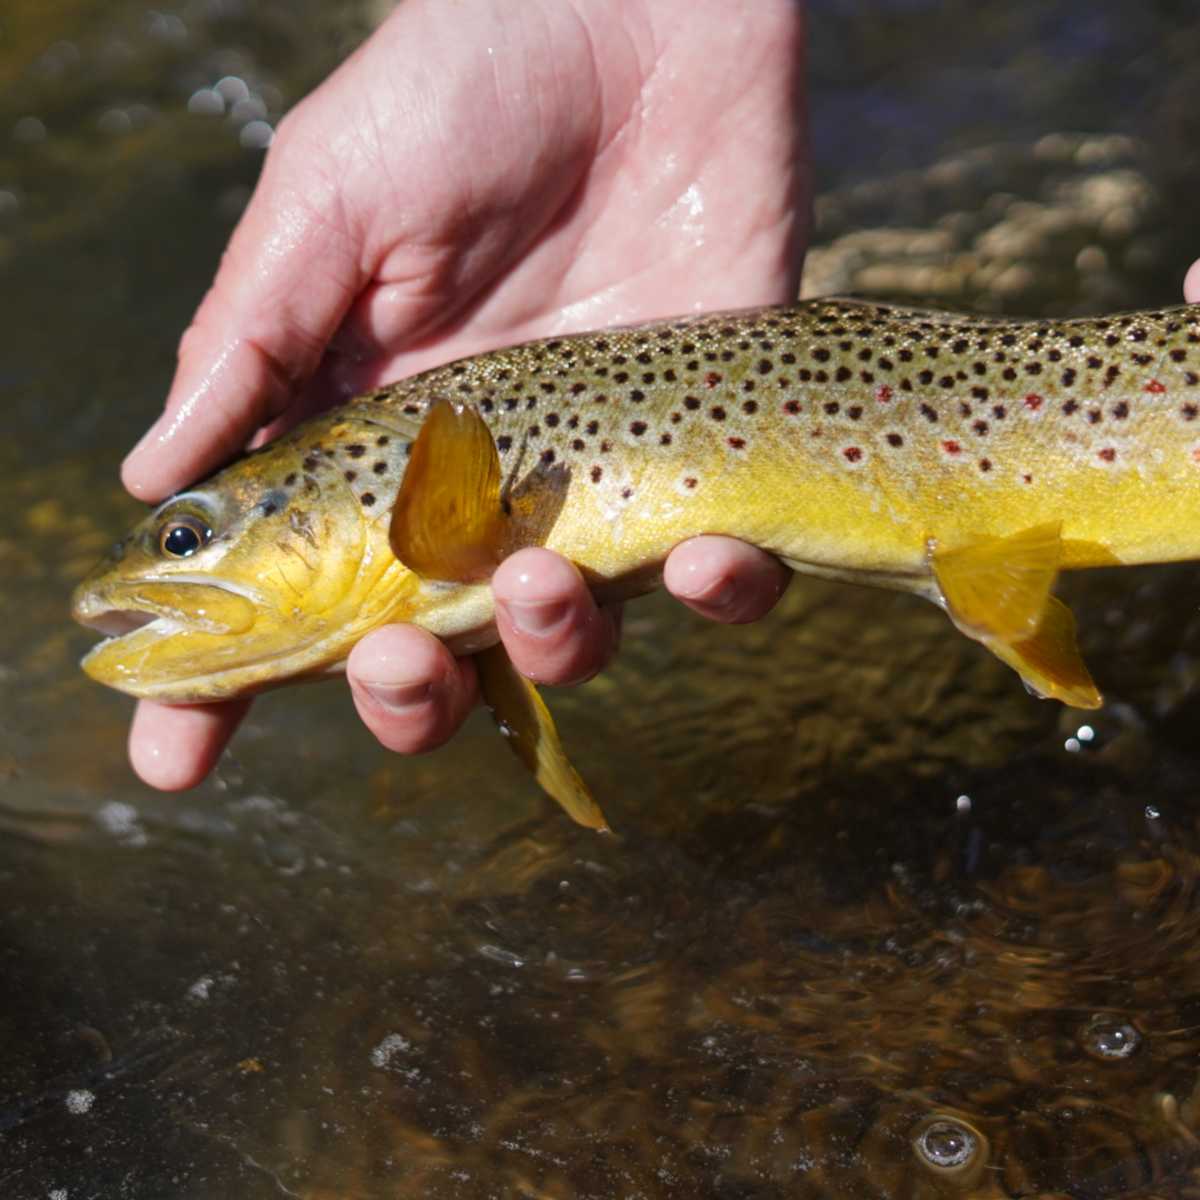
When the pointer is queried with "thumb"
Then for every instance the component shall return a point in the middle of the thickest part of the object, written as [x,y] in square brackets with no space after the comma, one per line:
[291,271]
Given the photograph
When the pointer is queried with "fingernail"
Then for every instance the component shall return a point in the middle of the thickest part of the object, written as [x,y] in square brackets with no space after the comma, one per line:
[399,697]
[536,618]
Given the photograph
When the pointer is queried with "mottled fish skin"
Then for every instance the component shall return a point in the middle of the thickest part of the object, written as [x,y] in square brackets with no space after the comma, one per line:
[850,438]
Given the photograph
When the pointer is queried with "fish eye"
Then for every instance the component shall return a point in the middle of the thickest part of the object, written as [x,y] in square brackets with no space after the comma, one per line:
[183,536]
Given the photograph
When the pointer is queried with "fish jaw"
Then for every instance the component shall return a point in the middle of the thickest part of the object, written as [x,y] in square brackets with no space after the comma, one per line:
[153,625]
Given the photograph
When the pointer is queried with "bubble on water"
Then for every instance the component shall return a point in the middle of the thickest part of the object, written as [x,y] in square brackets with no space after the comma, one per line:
[1072,745]
[29,130]
[946,1144]
[257,135]
[1085,733]
[79,1101]
[963,804]
[206,102]
[1107,1037]
[1153,812]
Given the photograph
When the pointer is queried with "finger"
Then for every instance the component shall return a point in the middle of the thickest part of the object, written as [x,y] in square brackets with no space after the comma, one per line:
[1191,284]
[724,579]
[258,335]
[174,746]
[410,691]
[548,621]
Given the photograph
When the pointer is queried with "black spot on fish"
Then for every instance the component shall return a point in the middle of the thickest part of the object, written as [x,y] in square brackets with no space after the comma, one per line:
[368,499]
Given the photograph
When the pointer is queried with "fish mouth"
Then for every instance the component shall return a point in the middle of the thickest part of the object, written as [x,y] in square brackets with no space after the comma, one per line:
[187,640]
[122,611]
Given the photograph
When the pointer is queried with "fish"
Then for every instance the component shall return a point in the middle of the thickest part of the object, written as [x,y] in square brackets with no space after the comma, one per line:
[965,459]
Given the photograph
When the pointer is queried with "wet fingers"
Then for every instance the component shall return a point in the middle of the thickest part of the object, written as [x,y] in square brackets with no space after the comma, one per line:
[410,691]
[173,747]
[725,579]
[549,623]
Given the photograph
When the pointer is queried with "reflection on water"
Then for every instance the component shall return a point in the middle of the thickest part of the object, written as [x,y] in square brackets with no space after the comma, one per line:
[874,923]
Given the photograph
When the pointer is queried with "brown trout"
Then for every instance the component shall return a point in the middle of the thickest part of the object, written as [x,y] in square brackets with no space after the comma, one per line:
[963,458]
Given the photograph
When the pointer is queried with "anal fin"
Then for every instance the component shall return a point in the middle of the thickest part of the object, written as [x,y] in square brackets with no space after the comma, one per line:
[529,729]
[997,587]
[1050,662]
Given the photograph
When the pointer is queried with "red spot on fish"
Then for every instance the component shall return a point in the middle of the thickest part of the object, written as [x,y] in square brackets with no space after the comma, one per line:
[883,393]
[736,442]
[1196,455]
[1155,388]
[1108,454]
[952,447]
[1033,401]
[712,379]
[852,454]
[792,407]
[1027,478]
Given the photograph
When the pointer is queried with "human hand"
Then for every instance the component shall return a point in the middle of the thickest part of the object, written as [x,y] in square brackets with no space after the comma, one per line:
[480,174]
[1191,284]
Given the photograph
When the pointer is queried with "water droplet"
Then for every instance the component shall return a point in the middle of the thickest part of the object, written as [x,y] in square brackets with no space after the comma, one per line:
[1108,1037]
[947,1144]
[1072,745]
[963,804]
[1153,812]
[1085,733]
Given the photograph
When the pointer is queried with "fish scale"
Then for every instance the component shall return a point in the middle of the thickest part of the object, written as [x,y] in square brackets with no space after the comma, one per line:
[899,424]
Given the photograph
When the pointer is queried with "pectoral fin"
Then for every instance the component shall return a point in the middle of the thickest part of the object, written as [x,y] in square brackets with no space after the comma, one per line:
[527,725]
[1050,662]
[448,521]
[998,587]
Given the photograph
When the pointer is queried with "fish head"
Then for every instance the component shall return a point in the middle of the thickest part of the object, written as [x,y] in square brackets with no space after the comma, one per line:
[267,572]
